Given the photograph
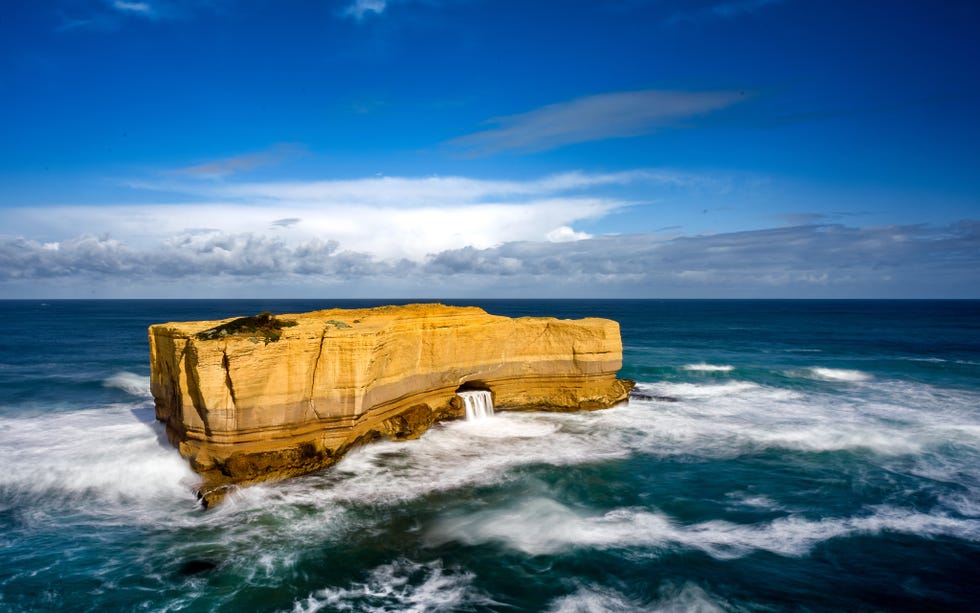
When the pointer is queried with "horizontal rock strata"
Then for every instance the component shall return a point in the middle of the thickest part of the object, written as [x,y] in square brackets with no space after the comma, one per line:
[246,405]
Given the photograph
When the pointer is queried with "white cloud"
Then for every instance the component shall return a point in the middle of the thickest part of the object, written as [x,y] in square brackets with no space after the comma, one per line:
[457,236]
[412,191]
[358,9]
[390,217]
[804,261]
[612,115]
[565,234]
[382,231]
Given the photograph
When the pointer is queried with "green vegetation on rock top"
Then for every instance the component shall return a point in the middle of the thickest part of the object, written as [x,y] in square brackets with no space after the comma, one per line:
[264,325]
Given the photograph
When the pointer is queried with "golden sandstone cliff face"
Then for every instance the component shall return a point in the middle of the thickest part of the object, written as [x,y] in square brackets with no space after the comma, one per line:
[244,408]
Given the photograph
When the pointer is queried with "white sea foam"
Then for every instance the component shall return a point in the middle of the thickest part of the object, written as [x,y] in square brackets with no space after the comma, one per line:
[540,526]
[697,390]
[836,374]
[596,599]
[115,456]
[459,454]
[753,501]
[506,428]
[963,503]
[129,382]
[702,367]
[114,463]
[889,418]
[839,437]
[404,586]
[689,598]
[120,448]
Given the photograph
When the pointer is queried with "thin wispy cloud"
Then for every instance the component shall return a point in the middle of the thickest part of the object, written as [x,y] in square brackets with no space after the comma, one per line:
[592,118]
[244,162]
[112,15]
[359,10]
[721,10]
[141,8]
[734,9]
[406,191]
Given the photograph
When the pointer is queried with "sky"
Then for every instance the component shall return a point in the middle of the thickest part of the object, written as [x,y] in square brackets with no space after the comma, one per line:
[490,149]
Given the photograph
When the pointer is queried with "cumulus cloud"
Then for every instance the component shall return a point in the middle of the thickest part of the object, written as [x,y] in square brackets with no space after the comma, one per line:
[383,231]
[565,234]
[387,217]
[598,117]
[200,253]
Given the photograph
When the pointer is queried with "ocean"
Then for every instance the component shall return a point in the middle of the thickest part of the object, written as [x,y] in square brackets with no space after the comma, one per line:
[778,455]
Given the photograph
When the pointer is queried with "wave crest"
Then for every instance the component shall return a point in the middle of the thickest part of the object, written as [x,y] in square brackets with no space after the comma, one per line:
[703,367]
[822,373]
[129,382]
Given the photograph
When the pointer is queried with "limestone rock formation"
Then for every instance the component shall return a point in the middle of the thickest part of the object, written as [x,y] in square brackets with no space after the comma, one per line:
[260,398]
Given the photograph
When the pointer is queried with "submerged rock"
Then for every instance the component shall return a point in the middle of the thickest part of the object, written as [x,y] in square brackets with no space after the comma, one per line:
[243,411]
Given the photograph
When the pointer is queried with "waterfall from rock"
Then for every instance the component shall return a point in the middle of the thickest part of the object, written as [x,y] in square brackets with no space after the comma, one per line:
[479,404]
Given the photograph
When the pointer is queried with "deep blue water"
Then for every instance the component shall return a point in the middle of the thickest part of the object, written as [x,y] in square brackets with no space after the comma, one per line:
[791,455]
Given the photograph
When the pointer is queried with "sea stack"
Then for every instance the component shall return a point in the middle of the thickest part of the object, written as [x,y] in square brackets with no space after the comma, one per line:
[266,397]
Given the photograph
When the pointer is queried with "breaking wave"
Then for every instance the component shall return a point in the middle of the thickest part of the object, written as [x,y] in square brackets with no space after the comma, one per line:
[542,526]
[99,459]
[131,383]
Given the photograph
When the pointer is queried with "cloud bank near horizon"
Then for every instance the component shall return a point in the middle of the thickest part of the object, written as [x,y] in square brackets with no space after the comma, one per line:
[457,236]
[803,261]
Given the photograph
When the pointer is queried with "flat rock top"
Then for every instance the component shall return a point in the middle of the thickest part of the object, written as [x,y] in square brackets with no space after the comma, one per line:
[366,319]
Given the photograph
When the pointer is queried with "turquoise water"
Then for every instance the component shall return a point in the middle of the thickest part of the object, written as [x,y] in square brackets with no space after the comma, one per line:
[779,455]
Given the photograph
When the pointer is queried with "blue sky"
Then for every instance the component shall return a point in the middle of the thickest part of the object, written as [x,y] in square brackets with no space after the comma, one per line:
[480,148]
